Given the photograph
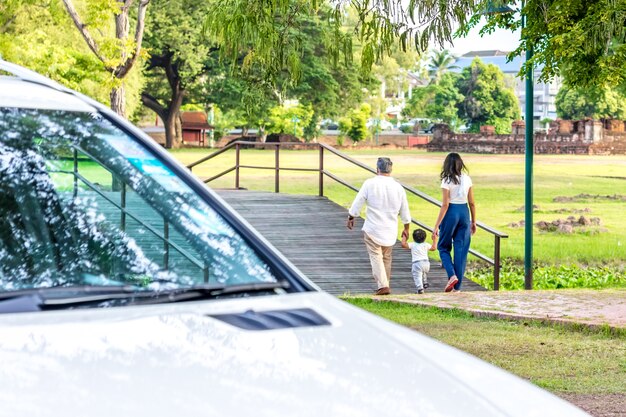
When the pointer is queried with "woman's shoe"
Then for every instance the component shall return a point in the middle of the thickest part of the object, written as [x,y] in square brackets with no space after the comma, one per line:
[451,283]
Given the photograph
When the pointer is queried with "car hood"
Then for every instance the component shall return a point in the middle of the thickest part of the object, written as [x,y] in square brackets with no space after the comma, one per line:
[176,359]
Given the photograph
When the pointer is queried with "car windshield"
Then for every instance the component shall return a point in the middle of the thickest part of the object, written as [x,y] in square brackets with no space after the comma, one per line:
[83,203]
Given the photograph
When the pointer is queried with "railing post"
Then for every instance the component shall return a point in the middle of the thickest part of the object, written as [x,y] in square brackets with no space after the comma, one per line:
[321,193]
[166,245]
[123,204]
[277,169]
[75,173]
[496,264]
[205,272]
[236,166]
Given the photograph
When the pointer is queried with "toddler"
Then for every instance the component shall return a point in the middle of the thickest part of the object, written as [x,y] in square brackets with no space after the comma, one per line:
[419,257]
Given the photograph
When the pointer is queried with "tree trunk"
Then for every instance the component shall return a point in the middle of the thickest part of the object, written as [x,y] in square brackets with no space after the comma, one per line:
[170,114]
[122,30]
[118,100]
[172,121]
[170,131]
[178,127]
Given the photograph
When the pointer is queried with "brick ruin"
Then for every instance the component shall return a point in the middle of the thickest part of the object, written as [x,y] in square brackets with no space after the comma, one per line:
[583,137]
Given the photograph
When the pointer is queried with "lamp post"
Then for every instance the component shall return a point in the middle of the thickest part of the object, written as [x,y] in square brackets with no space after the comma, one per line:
[295,121]
[528,149]
[377,129]
[529,154]
[212,123]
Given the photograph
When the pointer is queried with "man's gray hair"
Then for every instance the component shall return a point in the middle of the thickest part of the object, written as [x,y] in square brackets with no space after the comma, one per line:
[384,165]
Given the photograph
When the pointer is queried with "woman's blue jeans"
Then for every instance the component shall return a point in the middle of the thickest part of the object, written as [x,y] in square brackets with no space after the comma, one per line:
[454,231]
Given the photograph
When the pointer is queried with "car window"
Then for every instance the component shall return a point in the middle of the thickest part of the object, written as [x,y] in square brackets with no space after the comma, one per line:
[81,202]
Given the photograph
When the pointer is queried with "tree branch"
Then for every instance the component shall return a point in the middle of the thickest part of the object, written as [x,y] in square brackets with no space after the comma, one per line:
[153,104]
[6,24]
[158,61]
[171,72]
[123,69]
[82,28]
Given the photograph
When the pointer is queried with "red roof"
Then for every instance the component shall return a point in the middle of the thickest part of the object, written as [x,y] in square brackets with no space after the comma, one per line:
[195,120]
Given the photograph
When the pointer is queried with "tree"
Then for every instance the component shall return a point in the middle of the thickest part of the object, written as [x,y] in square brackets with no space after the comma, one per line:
[245,97]
[583,40]
[354,125]
[290,119]
[9,12]
[446,100]
[179,56]
[328,86]
[487,100]
[118,53]
[381,24]
[325,85]
[440,63]
[437,101]
[593,102]
[45,40]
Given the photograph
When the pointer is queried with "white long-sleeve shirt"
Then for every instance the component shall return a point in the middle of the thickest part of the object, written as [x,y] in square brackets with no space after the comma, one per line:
[385,199]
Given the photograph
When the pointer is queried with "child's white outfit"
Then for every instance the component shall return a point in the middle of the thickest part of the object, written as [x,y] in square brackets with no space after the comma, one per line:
[421,264]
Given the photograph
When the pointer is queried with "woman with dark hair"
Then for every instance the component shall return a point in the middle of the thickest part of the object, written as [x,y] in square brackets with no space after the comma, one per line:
[453,226]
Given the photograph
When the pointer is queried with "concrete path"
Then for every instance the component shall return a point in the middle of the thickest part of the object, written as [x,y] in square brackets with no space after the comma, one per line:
[594,308]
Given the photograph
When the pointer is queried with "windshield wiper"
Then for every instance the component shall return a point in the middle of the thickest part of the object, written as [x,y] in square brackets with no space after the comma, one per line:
[205,291]
[35,299]
[40,298]
[79,289]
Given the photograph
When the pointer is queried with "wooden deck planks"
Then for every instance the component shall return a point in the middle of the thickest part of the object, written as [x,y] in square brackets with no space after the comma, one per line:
[311,232]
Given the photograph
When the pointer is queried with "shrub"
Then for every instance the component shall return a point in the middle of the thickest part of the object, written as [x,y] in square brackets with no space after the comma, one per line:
[550,277]
[406,129]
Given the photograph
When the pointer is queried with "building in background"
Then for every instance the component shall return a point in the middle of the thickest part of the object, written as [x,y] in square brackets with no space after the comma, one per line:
[544,95]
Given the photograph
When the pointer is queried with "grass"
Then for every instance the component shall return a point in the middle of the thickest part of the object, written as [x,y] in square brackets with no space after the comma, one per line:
[559,359]
[499,190]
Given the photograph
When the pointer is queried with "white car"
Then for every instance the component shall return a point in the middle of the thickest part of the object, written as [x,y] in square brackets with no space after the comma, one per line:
[128,288]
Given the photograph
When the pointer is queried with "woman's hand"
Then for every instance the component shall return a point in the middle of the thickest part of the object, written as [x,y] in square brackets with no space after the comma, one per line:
[473,227]
[436,233]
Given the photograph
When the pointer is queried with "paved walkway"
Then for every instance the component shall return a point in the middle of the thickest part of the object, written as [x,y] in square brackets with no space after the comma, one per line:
[594,308]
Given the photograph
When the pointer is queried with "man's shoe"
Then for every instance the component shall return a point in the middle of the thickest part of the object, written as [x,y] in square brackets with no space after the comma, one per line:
[383,291]
[426,285]
[451,283]
[420,291]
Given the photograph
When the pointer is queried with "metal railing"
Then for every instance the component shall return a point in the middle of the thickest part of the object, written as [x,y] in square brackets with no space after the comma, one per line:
[322,172]
[124,213]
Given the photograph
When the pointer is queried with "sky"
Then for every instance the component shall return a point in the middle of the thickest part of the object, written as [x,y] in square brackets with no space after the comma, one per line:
[501,39]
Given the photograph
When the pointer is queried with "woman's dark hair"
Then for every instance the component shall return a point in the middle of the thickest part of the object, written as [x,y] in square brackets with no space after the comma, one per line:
[419,235]
[453,167]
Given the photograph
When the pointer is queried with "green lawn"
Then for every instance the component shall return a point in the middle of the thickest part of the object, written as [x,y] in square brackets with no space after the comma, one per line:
[499,191]
[562,360]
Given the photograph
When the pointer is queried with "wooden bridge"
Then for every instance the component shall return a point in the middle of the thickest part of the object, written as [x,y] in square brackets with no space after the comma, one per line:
[311,232]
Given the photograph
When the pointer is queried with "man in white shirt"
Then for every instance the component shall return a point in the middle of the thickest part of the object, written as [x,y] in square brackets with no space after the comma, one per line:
[385,199]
